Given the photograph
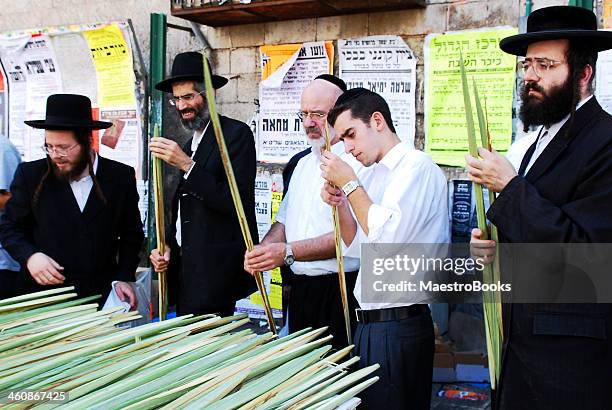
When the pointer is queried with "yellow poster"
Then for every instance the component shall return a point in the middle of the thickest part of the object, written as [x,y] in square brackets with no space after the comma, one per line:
[114,68]
[607,13]
[273,57]
[491,69]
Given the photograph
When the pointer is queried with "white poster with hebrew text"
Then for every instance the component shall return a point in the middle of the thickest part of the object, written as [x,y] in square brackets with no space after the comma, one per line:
[387,66]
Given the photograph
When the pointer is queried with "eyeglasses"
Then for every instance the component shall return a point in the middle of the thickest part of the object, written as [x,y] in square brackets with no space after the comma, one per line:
[540,65]
[187,98]
[312,115]
[57,151]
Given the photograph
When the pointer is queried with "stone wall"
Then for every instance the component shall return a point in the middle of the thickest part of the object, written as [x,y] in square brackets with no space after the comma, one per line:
[234,50]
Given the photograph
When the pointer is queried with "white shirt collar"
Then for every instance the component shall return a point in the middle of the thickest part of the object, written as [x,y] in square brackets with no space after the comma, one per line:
[394,156]
[197,138]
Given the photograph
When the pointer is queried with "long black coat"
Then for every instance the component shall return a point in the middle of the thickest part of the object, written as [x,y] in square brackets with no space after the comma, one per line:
[95,247]
[206,272]
[559,356]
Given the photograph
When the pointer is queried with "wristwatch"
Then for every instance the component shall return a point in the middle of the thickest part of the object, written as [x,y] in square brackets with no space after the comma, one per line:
[289,258]
[350,186]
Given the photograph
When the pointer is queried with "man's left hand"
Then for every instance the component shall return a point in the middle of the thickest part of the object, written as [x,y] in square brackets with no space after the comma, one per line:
[170,152]
[126,293]
[265,257]
[493,171]
[335,171]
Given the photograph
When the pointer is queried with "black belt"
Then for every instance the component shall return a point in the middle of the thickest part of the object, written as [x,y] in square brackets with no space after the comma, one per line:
[390,314]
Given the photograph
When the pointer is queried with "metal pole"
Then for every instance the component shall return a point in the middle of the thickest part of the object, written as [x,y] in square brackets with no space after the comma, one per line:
[156,108]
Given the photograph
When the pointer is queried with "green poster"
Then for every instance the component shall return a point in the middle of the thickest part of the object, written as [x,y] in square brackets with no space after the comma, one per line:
[494,74]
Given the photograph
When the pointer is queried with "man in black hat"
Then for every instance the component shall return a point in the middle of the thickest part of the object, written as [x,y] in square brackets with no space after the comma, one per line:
[555,356]
[204,259]
[73,217]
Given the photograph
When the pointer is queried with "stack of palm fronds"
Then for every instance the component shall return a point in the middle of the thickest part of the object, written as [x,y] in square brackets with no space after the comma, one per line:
[492,306]
[51,341]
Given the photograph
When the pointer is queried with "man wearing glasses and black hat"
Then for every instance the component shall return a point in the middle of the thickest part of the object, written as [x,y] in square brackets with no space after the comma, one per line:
[73,217]
[555,356]
[204,259]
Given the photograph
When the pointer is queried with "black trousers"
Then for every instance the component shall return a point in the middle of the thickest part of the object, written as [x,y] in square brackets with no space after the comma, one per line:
[314,301]
[7,283]
[404,349]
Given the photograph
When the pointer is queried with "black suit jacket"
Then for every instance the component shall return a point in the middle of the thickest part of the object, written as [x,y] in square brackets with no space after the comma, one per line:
[95,247]
[209,273]
[564,350]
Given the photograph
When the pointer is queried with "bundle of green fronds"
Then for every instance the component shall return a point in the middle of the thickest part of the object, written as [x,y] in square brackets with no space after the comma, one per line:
[491,299]
[52,342]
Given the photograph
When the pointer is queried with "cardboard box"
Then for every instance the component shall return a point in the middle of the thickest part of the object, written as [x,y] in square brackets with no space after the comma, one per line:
[471,367]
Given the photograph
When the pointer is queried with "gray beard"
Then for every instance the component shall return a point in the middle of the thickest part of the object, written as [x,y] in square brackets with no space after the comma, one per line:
[317,145]
[198,123]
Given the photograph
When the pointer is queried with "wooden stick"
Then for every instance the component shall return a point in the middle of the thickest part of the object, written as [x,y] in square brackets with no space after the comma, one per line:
[158,195]
[231,179]
[339,258]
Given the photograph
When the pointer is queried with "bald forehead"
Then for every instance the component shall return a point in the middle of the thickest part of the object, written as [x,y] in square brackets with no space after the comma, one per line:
[320,93]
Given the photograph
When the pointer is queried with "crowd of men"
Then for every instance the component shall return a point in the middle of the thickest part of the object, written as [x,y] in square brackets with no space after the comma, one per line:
[72,217]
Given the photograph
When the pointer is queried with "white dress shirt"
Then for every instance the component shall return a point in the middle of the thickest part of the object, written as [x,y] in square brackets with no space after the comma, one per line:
[306,216]
[81,188]
[547,135]
[195,143]
[410,205]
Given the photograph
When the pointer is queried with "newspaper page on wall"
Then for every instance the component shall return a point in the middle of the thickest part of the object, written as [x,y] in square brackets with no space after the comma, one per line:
[491,69]
[387,66]
[286,70]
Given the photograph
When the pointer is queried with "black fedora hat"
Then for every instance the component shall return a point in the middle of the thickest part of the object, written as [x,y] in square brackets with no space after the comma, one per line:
[67,112]
[188,66]
[559,22]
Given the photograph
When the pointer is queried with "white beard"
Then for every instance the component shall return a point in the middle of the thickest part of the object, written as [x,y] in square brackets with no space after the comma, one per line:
[317,146]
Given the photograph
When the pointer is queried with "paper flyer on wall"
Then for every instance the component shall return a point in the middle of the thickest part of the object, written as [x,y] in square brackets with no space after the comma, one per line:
[263,211]
[33,75]
[113,61]
[263,203]
[387,66]
[122,141]
[76,65]
[10,54]
[142,187]
[3,104]
[607,13]
[603,80]
[42,79]
[494,74]
[286,70]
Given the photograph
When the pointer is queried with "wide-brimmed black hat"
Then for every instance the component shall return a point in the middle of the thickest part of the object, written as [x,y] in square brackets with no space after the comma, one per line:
[559,22]
[189,66]
[67,112]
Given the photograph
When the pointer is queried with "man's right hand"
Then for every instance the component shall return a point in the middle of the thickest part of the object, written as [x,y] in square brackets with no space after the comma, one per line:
[159,262]
[45,270]
[480,248]
[265,257]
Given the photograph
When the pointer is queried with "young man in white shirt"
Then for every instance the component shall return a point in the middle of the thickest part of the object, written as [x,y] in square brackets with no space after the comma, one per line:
[401,198]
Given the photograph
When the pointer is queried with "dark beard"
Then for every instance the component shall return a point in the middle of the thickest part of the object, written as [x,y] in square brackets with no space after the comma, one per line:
[82,163]
[556,105]
[198,123]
